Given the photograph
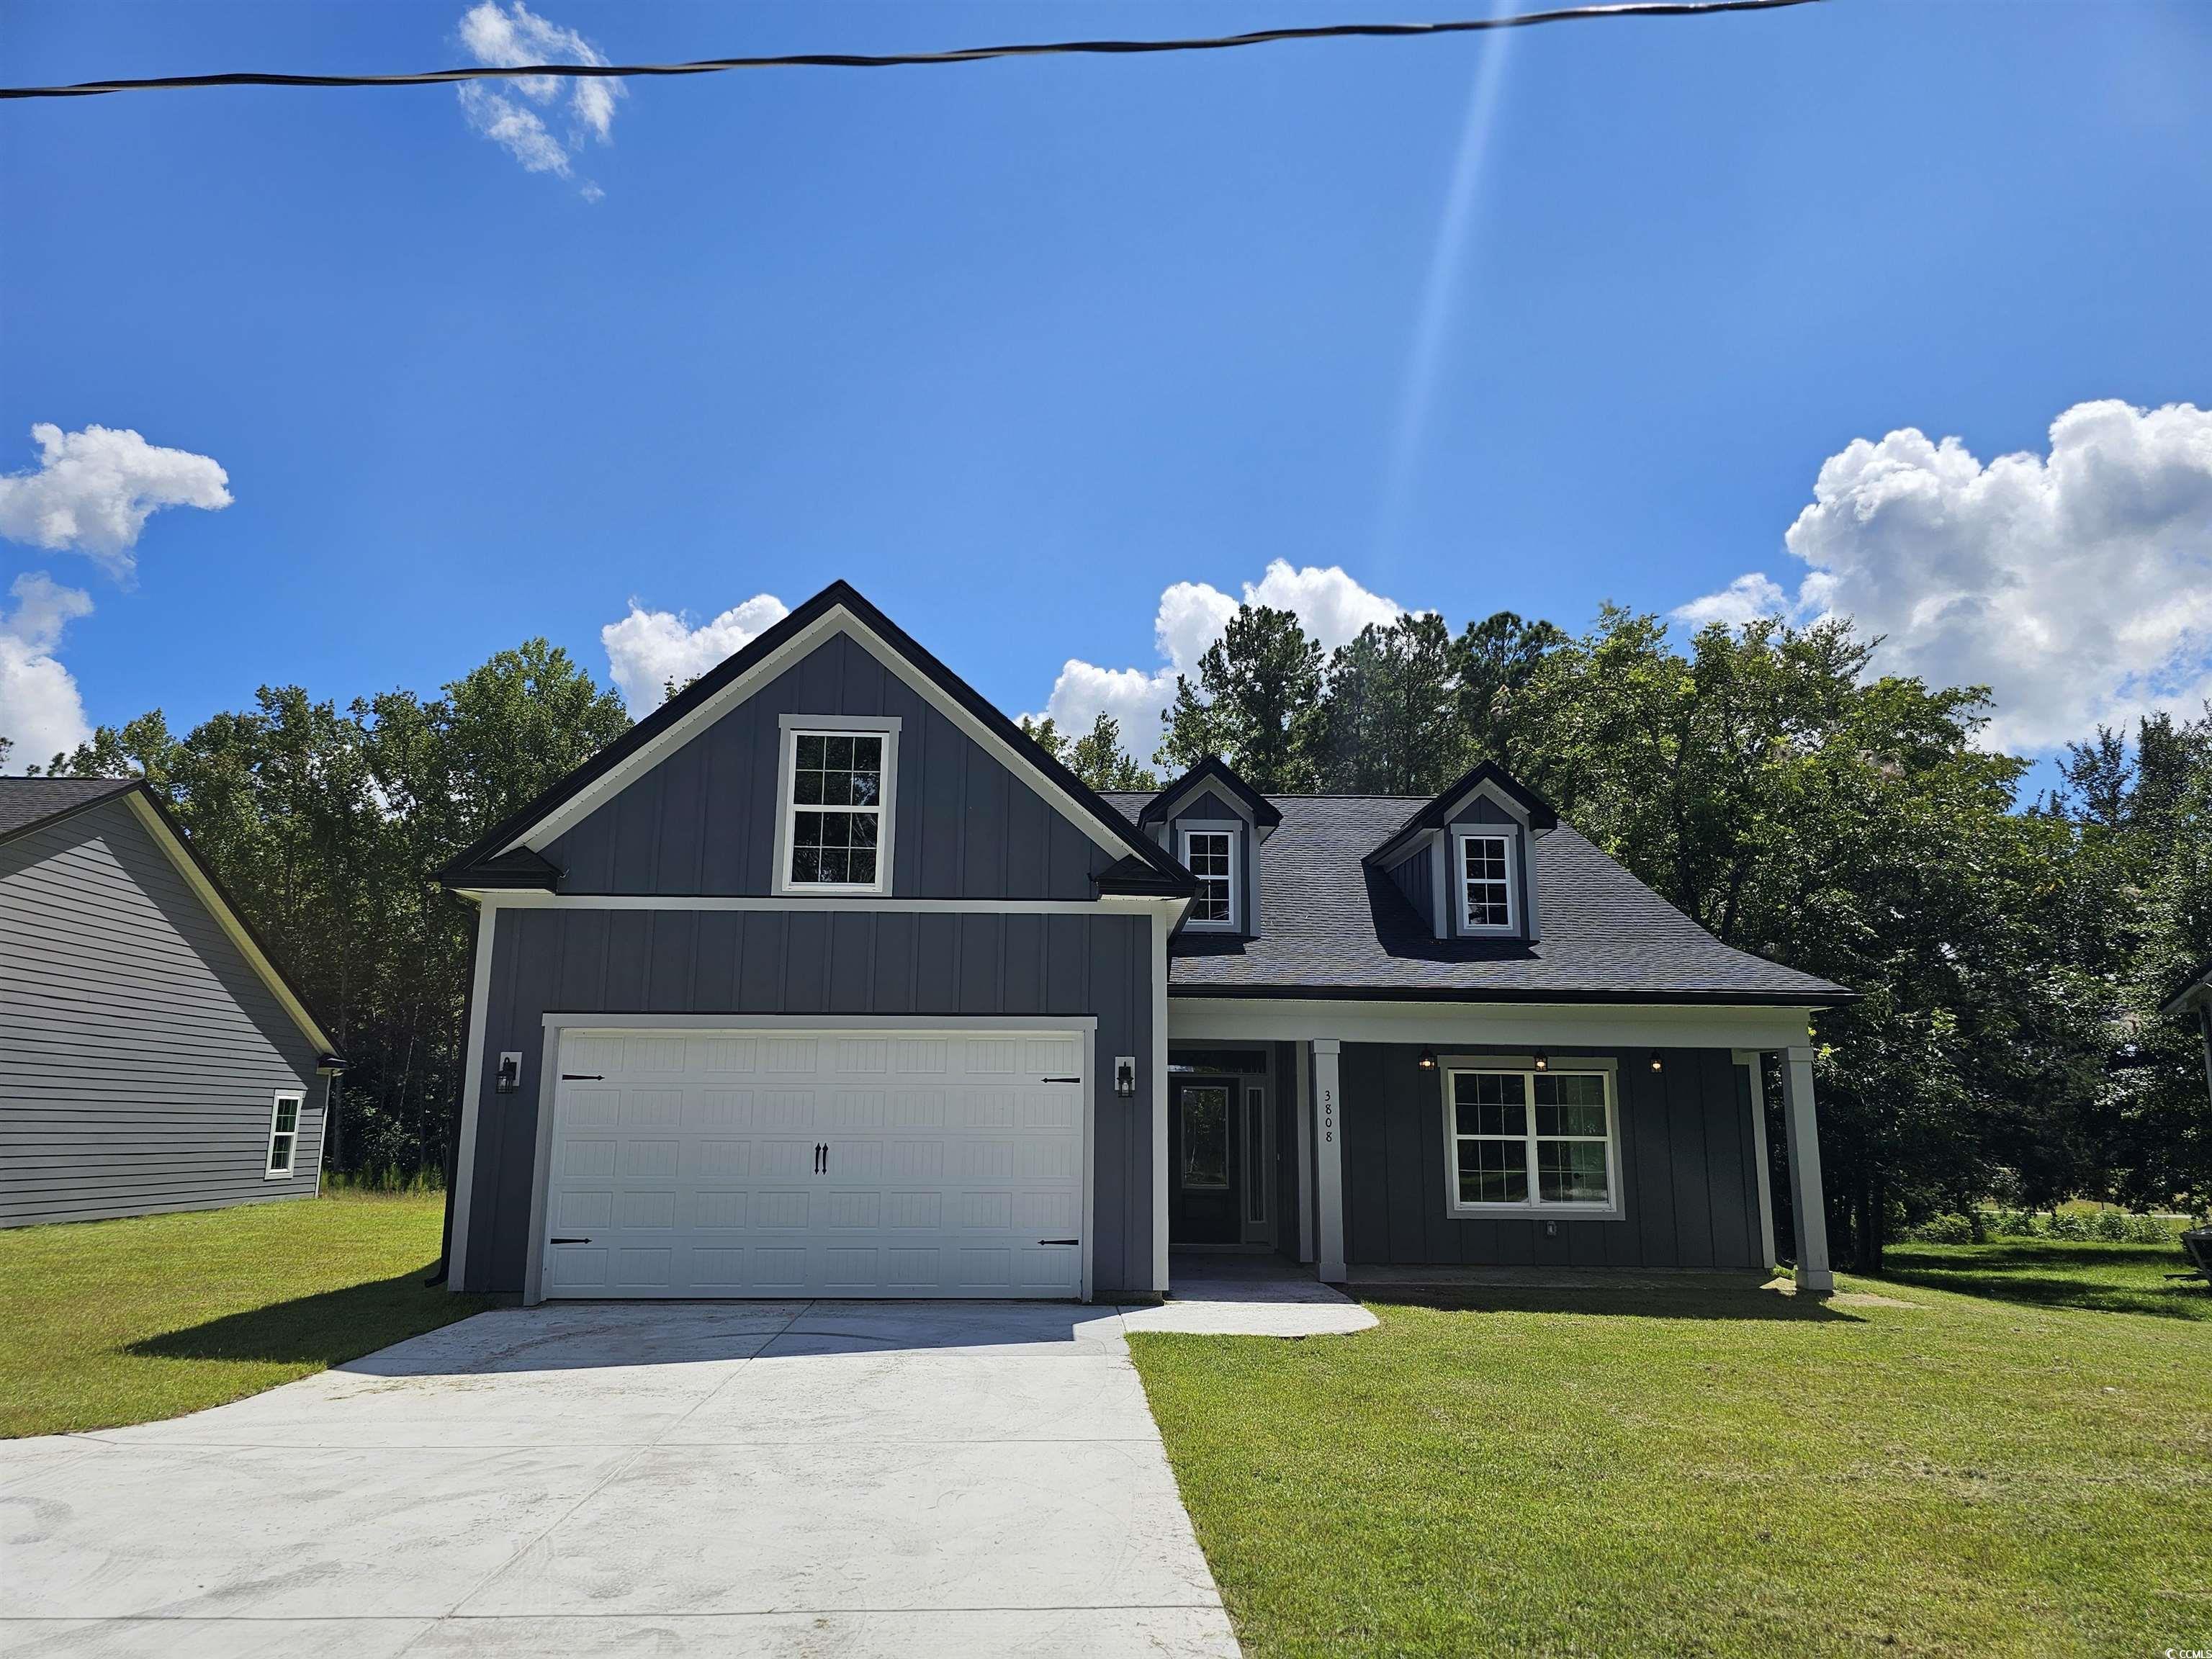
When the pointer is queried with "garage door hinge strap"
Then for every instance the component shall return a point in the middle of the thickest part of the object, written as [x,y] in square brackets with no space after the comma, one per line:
[1059,1241]
[581,1077]
[1060,1080]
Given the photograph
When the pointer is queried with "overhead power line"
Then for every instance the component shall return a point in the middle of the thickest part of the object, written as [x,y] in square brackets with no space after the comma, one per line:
[907,59]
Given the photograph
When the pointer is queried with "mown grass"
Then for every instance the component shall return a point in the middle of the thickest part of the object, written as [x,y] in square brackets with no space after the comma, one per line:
[1696,1473]
[108,1322]
[2114,1278]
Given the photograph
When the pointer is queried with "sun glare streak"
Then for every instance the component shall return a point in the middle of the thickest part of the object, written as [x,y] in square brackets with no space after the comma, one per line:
[1433,325]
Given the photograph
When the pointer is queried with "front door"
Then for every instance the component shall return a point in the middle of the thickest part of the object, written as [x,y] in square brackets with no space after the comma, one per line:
[1203,1206]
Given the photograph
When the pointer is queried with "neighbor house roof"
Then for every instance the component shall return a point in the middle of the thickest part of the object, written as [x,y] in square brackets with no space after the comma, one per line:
[1333,925]
[30,803]
[2197,989]
[492,854]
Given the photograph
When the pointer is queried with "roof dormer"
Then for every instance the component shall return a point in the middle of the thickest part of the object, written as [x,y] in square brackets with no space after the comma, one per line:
[1467,861]
[1214,823]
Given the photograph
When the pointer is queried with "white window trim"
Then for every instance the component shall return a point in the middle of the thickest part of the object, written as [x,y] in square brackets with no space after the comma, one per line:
[1525,1066]
[1510,835]
[1228,827]
[299,1099]
[794,727]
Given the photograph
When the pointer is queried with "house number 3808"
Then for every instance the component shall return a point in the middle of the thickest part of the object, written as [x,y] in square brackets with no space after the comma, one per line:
[1328,1115]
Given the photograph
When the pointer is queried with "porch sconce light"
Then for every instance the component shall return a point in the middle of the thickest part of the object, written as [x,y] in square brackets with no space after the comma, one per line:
[1656,1065]
[1125,1075]
[1428,1059]
[507,1080]
[1542,1061]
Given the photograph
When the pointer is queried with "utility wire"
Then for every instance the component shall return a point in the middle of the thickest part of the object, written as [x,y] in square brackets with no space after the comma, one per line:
[901,60]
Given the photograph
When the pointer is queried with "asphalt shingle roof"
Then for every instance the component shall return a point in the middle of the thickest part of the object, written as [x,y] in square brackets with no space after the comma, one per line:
[27,801]
[1328,924]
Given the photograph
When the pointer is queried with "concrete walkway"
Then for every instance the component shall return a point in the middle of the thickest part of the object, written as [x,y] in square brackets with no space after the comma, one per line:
[856,1479]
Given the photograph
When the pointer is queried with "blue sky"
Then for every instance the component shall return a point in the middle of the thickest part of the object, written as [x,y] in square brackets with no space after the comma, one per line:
[1533,322]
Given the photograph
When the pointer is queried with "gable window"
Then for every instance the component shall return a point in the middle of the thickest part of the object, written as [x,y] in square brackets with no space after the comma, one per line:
[1485,883]
[837,809]
[284,1135]
[1523,1139]
[1211,856]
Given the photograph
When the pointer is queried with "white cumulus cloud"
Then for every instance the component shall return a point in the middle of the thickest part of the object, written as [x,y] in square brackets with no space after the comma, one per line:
[2077,584]
[93,491]
[648,649]
[508,111]
[1192,616]
[40,711]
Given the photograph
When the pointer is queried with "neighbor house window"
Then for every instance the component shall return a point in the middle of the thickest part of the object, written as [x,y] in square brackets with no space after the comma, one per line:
[1528,1140]
[837,809]
[1211,856]
[1486,883]
[284,1135]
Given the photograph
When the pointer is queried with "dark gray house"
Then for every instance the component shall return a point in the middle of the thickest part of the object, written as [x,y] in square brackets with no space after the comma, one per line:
[152,1056]
[826,979]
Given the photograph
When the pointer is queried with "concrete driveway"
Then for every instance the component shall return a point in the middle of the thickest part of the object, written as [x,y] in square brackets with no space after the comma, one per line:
[802,1477]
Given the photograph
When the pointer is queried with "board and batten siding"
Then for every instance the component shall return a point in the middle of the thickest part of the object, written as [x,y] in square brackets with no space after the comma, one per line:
[1687,1167]
[816,964]
[703,820]
[140,1053]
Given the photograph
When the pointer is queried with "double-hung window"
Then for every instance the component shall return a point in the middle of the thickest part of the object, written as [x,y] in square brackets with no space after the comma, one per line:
[837,810]
[1210,854]
[283,1135]
[1528,1140]
[1486,883]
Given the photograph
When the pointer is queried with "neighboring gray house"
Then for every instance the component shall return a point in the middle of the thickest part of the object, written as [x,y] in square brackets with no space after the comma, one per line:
[826,980]
[152,1057]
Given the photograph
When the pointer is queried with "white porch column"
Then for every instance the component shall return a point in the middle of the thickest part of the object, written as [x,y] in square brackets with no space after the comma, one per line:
[1328,1155]
[1303,1065]
[1755,1076]
[1806,1202]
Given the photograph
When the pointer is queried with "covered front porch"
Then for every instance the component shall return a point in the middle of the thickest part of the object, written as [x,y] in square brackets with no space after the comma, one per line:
[1437,1142]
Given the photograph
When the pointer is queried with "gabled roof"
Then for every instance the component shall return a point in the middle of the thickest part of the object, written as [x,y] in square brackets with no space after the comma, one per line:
[30,803]
[1434,814]
[1212,769]
[668,725]
[1334,926]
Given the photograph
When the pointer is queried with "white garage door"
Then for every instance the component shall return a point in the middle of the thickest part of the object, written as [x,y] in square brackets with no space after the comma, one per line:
[859,1163]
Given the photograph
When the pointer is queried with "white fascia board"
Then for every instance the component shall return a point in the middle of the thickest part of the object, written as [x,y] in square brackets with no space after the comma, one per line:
[234,929]
[836,620]
[1520,1024]
[539,899]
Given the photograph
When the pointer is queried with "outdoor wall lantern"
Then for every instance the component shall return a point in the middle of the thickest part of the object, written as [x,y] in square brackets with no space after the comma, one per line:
[1125,1075]
[508,1078]
[1656,1065]
[1542,1061]
[1428,1059]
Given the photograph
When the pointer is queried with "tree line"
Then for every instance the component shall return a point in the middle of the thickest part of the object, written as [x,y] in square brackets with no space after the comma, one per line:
[2011,951]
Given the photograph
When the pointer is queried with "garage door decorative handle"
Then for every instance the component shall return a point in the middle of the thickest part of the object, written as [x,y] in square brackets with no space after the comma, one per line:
[1060,1080]
[572,1241]
[581,1077]
[821,1158]
[1059,1241]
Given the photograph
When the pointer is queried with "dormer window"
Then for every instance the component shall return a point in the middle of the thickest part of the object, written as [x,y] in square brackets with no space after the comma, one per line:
[1485,865]
[1211,856]
[835,828]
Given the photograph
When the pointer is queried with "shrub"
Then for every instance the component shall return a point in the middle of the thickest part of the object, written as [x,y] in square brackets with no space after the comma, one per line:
[2067,1225]
[2112,1226]
[2015,1224]
[1944,1230]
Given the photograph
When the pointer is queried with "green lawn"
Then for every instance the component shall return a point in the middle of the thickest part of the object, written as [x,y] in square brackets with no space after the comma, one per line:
[1697,1473]
[2116,1278]
[107,1322]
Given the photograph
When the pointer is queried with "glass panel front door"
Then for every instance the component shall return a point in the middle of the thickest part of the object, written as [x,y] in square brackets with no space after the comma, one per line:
[1203,1207]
